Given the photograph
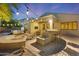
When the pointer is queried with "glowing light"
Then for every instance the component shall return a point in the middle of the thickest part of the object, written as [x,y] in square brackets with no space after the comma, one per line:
[27,12]
[15,24]
[36,18]
[11,24]
[7,24]
[50,23]
[3,24]
[27,18]
[17,13]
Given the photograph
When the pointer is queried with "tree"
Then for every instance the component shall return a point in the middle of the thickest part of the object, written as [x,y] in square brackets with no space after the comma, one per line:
[5,12]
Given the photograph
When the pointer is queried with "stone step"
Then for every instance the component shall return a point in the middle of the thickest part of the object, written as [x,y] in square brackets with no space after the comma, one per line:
[72,50]
[62,53]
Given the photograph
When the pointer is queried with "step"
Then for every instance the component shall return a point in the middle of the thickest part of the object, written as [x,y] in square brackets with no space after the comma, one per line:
[71,50]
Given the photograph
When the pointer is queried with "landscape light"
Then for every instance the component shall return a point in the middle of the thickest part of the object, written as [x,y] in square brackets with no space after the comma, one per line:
[7,24]
[3,24]
[11,24]
[15,24]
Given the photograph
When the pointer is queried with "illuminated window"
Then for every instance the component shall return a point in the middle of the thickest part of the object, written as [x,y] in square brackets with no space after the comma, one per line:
[66,26]
[75,25]
[69,25]
[62,26]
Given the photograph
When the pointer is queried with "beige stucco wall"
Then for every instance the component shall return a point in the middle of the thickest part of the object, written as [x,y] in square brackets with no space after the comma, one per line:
[56,21]
[32,27]
[69,18]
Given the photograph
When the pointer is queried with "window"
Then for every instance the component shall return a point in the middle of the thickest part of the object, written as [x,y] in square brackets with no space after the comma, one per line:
[36,27]
[43,26]
[62,26]
[69,25]
[75,25]
[66,25]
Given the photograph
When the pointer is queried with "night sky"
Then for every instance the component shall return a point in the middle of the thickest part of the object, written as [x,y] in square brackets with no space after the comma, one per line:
[39,9]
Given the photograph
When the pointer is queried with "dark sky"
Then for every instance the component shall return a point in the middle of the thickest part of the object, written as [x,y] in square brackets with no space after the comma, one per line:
[39,9]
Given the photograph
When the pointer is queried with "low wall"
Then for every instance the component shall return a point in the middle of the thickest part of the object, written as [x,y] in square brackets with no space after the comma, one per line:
[12,43]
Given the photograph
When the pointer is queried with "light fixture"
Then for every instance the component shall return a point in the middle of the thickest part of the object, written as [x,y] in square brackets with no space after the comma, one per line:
[27,10]
[11,24]
[7,24]
[27,18]
[36,18]
[3,24]
[15,24]
[50,23]
[17,13]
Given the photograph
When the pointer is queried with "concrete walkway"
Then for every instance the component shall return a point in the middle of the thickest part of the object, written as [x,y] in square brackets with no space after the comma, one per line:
[72,47]
[72,39]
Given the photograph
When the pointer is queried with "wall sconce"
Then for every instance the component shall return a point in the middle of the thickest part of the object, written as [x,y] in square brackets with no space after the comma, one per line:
[50,24]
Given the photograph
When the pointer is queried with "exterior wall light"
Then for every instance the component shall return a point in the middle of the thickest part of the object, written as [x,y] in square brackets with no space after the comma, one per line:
[50,24]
